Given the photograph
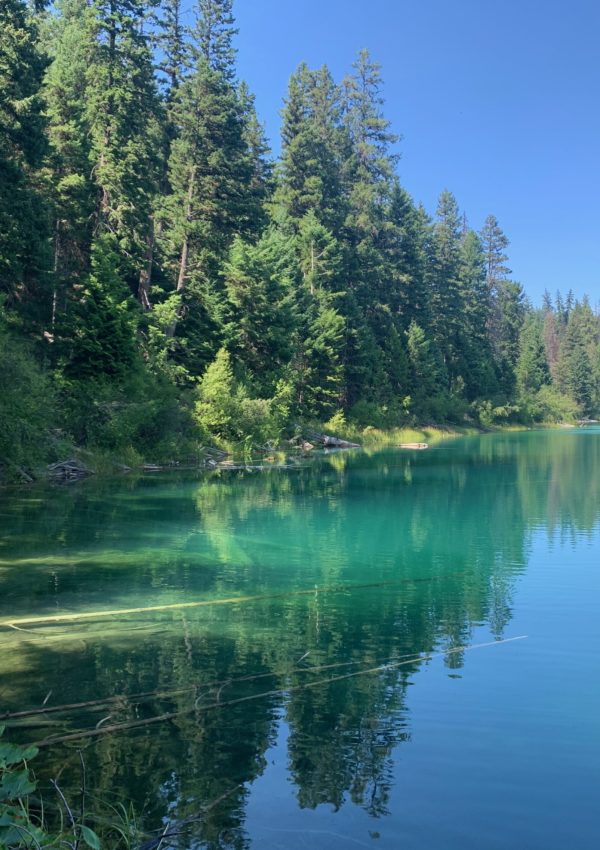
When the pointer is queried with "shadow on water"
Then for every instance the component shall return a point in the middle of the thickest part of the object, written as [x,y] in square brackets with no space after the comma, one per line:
[419,553]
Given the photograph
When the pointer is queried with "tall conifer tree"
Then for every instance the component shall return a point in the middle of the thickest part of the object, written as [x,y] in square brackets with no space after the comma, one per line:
[24,256]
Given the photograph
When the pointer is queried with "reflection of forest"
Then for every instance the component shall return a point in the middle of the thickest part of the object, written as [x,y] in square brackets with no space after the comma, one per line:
[440,538]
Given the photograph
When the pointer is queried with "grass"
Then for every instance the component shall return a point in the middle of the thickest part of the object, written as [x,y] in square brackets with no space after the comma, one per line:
[371,437]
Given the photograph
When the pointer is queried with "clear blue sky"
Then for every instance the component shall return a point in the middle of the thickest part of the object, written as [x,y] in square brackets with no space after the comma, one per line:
[496,100]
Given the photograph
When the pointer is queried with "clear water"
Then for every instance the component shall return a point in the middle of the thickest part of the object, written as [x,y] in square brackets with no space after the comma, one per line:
[338,704]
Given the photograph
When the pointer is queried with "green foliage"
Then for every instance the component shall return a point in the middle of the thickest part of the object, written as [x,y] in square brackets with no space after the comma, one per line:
[259,280]
[548,404]
[216,405]
[226,411]
[532,371]
[310,177]
[23,227]
[101,339]
[425,367]
[27,404]
[133,164]
[144,416]
[337,424]
[30,824]
[489,415]
[577,356]
[17,830]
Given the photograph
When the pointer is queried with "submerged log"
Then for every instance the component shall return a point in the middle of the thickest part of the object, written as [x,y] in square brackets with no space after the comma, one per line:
[419,446]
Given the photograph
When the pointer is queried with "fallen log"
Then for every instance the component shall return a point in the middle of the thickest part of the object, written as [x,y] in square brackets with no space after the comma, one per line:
[330,442]
[418,446]
[68,470]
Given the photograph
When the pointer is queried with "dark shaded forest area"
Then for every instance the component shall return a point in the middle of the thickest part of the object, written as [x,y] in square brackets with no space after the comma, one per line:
[165,283]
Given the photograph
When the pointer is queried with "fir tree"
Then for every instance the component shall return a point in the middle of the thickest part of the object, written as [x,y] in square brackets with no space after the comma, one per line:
[24,257]
[173,45]
[309,173]
[475,354]
[212,37]
[72,47]
[532,371]
[213,179]
[494,243]
[100,342]
[446,295]
[259,284]
[425,376]
[124,116]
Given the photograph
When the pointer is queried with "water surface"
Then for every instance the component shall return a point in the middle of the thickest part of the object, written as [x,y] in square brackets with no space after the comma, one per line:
[345,699]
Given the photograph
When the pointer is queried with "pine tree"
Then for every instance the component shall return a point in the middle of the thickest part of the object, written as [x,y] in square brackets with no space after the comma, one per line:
[72,47]
[317,371]
[259,281]
[507,303]
[510,312]
[261,181]
[320,256]
[373,161]
[476,357]
[447,307]
[212,37]
[369,176]
[100,341]
[406,239]
[124,117]
[532,371]
[309,173]
[24,257]
[425,375]
[213,180]
[578,374]
[551,341]
[494,243]
[173,46]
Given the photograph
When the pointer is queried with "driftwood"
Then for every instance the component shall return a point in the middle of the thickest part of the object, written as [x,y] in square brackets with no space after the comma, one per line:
[329,442]
[68,470]
[211,451]
[419,446]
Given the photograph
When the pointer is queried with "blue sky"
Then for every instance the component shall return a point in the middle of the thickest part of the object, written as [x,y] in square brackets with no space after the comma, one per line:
[496,101]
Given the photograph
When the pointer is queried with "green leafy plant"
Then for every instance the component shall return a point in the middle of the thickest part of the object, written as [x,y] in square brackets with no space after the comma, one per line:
[17,827]
[24,820]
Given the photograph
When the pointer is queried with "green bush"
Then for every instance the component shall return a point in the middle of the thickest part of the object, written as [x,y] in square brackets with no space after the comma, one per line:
[550,405]
[224,409]
[27,405]
[31,824]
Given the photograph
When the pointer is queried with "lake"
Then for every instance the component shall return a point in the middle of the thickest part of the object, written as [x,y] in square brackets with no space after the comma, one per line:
[394,649]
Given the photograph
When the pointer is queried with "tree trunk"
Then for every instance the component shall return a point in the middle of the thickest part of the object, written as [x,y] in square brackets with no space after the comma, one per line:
[146,272]
[185,249]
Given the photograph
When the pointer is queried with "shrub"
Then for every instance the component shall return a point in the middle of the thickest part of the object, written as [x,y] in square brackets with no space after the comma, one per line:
[27,404]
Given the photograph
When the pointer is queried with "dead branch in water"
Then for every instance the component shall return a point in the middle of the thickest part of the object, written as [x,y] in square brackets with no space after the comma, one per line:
[172,715]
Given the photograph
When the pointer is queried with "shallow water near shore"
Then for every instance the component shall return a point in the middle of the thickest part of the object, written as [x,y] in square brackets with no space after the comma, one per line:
[350,677]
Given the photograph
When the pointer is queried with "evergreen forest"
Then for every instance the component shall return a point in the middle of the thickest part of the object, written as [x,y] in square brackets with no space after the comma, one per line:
[166,283]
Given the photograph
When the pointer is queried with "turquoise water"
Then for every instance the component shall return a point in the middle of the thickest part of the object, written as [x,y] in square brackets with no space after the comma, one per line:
[365,690]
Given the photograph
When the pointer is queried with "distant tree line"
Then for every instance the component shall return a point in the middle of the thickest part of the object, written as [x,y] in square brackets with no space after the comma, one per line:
[163,278]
